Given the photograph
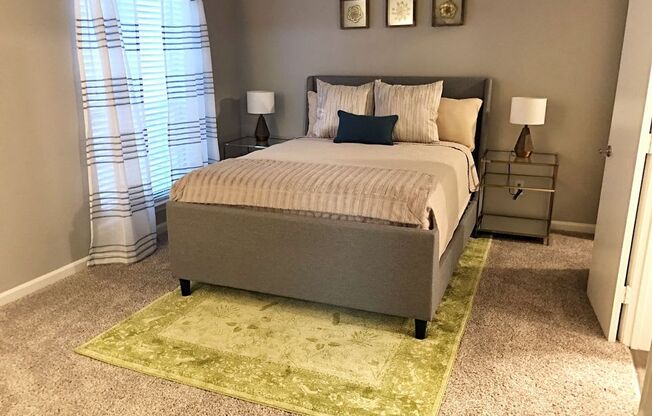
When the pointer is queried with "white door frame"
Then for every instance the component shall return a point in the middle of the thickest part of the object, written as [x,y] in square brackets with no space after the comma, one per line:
[646,393]
[636,319]
[636,316]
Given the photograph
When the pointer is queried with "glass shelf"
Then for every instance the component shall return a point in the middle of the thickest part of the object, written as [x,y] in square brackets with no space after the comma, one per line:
[535,183]
[509,157]
[526,227]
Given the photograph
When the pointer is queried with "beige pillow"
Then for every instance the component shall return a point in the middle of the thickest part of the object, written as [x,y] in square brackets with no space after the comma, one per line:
[312,113]
[416,107]
[332,98]
[458,119]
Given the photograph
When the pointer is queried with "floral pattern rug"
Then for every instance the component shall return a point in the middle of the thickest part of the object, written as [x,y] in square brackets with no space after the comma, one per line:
[303,357]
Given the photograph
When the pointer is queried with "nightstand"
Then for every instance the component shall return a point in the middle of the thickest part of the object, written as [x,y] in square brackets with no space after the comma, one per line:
[516,195]
[244,145]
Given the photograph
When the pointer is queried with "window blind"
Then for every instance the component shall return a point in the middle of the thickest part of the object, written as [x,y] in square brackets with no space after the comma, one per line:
[159,39]
[148,61]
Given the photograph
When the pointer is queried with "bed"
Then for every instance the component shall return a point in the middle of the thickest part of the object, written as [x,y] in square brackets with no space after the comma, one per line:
[388,265]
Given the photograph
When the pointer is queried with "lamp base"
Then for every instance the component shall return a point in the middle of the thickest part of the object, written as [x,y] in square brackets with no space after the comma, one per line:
[262,132]
[524,147]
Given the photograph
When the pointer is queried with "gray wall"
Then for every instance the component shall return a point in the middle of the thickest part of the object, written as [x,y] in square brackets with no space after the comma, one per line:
[565,50]
[44,221]
[225,30]
[43,202]
[560,49]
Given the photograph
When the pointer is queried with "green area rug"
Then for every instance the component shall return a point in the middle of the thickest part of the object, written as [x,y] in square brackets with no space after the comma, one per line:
[303,357]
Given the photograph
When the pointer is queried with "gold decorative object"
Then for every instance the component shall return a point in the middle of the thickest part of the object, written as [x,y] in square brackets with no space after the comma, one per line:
[400,13]
[448,9]
[524,146]
[447,12]
[401,10]
[354,14]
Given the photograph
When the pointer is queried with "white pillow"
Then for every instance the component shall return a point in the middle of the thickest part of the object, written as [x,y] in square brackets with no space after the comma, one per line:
[312,113]
[458,120]
[416,107]
[332,98]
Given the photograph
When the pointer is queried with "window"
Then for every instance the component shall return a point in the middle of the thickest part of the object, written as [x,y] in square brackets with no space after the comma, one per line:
[163,47]
[148,60]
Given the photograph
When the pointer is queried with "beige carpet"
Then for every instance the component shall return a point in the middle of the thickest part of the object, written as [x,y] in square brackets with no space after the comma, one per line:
[532,347]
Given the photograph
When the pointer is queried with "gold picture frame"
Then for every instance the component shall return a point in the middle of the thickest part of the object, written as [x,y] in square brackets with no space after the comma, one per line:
[354,14]
[400,13]
[447,13]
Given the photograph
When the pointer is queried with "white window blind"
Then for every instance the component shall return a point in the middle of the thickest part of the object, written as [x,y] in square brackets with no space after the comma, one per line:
[148,61]
[165,47]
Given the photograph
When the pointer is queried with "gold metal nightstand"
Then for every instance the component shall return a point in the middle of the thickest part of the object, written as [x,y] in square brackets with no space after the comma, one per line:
[502,172]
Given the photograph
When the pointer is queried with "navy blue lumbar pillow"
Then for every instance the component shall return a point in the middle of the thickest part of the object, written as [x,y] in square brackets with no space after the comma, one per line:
[365,129]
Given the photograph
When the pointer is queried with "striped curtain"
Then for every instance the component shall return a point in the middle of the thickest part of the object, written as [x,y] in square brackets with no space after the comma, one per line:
[149,113]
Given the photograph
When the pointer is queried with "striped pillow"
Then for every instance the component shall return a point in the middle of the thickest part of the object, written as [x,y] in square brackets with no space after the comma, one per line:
[332,98]
[416,106]
[312,113]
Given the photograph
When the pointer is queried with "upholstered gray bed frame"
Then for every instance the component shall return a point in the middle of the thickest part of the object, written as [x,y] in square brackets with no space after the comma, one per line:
[378,268]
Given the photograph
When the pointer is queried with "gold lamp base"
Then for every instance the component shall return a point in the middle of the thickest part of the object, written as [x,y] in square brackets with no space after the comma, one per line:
[524,147]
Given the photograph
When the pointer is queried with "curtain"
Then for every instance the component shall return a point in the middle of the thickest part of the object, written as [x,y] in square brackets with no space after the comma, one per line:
[149,113]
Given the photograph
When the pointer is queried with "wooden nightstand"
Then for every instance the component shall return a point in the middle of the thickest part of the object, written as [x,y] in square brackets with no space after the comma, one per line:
[516,194]
[244,145]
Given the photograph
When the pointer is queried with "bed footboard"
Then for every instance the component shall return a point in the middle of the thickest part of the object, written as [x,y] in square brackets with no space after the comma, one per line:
[376,268]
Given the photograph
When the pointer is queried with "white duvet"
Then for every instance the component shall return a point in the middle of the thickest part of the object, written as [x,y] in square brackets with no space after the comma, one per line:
[451,163]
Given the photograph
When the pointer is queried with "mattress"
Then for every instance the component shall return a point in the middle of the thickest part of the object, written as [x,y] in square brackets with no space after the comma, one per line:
[420,183]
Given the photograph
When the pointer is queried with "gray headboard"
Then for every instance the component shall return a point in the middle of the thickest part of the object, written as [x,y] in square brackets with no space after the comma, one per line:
[454,87]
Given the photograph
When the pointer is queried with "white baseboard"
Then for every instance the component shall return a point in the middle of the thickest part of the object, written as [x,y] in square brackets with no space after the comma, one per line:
[575,227]
[39,283]
[79,265]
[43,281]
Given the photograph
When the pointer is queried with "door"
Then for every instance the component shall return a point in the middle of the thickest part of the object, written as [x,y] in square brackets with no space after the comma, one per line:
[623,171]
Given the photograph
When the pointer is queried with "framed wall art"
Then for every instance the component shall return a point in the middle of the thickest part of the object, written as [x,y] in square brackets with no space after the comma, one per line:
[400,13]
[354,14]
[447,12]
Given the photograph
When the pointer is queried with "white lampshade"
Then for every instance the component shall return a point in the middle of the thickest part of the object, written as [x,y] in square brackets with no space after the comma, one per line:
[528,111]
[260,102]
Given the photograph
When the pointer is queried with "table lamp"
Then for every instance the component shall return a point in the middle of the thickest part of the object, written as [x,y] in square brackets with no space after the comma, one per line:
[260,102]
[527,112]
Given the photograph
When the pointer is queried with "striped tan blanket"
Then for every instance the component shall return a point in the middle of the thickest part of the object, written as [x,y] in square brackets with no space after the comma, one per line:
[393,195]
